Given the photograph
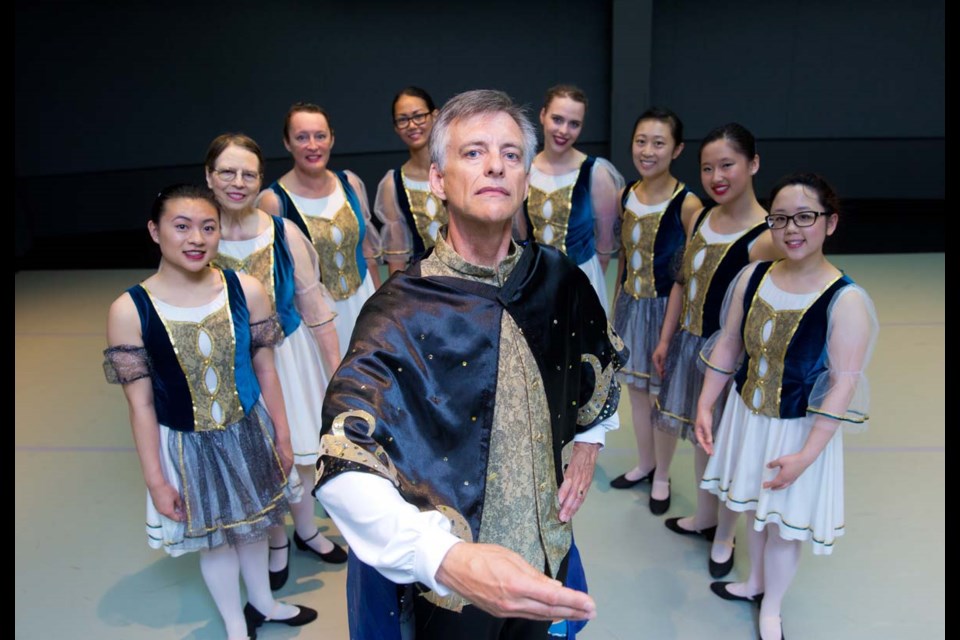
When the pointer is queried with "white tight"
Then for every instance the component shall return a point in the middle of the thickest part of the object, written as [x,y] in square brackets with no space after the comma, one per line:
[222,568]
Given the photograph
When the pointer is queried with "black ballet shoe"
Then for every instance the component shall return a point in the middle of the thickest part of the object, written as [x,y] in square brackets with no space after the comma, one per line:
[659,507]
[721,569]
[279,578]
[255,619]
[720,589]
[335,556]
[621,482]
[674,525]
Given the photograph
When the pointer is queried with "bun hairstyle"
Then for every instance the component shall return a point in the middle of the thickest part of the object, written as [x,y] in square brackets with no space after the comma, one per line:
[737,135]
[304,107]
[829,200]
[662,114]
[414,92]
[181,191]
[573,92]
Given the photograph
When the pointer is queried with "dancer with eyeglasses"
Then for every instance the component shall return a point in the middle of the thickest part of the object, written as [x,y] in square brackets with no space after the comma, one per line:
[723,239]
[331,209]
[796,337]
[657,209]
[274,251]
[193,348]
[574,199]
[409,212]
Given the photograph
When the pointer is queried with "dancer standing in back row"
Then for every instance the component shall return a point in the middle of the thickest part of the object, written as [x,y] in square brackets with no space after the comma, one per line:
[656,211]
[574,199]
[331,209]
[409,212]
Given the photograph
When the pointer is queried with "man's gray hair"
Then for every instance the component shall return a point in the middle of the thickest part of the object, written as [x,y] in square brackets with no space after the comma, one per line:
[475,103]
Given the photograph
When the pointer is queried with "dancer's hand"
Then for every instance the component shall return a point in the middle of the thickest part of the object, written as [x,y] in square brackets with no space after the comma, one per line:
[285,451]
[660,359]
[703,427]
[577,478]
[791,466]
[167,501]
[504,585]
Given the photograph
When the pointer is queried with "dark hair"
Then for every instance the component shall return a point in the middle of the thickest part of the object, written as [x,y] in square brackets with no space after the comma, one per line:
[184,191]
[662,114]
[737,135]
[224,140]
[573,92]
[828,198]
[304,107]
[413,92]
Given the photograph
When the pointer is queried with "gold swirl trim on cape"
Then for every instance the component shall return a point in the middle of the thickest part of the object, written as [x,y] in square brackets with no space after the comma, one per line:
[614,338]
[337,445]
[601,390]
[460,528]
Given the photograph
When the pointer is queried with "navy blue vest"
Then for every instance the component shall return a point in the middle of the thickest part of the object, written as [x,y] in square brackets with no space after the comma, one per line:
[806,355]
[171,393]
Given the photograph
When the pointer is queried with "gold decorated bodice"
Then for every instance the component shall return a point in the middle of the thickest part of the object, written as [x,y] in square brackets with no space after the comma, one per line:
[700,262]
[768,333]
[639,235]
[205,351]
[549,214]
[428,211]
[336,240]
[258,263]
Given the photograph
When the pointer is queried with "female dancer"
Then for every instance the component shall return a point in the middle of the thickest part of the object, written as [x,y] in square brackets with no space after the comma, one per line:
[808,332]
[277,254]
[409,212]
[722,240]
[192,347]
[656,211]
[331,209]
[574,199]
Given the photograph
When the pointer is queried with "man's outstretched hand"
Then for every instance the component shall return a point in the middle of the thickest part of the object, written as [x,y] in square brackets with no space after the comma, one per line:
[503,584]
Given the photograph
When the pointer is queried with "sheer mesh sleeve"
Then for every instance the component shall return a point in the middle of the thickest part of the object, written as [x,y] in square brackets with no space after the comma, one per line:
[395,237]
[723,351]
[606,185]
[371,237]
[841,393]
[125,363]
[266,333]
[311,298]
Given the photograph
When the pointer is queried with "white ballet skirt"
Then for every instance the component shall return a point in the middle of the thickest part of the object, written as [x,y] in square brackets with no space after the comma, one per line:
[348,310]
[809,509]
[299,365]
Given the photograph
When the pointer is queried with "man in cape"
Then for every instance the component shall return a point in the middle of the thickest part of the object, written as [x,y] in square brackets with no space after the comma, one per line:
[445,427]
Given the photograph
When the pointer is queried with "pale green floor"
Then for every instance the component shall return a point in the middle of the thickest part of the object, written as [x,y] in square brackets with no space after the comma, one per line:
[83,568]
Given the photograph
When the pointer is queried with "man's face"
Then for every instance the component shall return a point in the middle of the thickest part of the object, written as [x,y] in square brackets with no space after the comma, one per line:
[485,178]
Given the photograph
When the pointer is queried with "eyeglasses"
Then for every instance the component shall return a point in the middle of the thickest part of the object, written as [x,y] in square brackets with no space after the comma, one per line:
[229,175]
[800,219]
[404,121]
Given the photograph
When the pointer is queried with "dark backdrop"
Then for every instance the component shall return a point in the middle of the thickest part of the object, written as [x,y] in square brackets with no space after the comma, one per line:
[116,99]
